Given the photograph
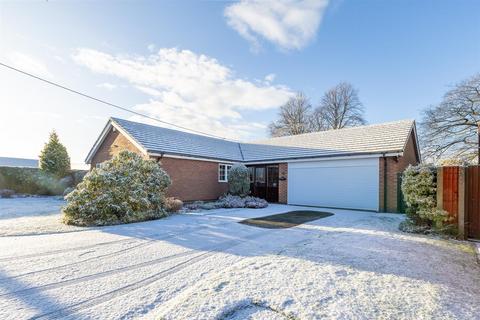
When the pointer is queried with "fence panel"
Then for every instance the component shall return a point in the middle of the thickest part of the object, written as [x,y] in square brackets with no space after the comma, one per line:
[472,201]
[450,191]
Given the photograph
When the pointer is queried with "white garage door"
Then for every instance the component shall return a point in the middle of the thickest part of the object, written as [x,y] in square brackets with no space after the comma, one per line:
[352,183]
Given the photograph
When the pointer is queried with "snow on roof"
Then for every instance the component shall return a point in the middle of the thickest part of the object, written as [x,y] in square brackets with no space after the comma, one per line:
[377,138]
[382,138]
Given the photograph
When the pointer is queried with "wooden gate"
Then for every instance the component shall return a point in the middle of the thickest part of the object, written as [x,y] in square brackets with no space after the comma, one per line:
[472,201]
[450,191]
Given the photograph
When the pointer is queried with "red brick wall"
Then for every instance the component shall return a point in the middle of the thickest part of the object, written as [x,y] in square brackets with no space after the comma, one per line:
[283,184]
[193,179]
[111,146]
[395,165]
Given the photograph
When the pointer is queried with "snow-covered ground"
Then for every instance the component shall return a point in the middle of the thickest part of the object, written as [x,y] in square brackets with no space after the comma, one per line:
[352,265]
[32,215]
[29,206]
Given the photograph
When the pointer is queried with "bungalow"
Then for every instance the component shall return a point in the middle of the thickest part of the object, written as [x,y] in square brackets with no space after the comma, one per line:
[355,168]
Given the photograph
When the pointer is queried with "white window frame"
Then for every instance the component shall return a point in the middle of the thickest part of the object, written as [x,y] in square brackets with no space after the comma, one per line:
[226,167]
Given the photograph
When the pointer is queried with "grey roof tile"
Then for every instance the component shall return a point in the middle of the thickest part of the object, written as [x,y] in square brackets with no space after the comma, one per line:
[158,140]
[378,138]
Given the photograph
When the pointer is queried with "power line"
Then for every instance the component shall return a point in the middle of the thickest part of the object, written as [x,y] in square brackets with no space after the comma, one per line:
[106,102]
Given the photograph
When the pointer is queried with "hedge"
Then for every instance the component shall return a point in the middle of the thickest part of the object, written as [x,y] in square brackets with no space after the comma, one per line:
[36,182]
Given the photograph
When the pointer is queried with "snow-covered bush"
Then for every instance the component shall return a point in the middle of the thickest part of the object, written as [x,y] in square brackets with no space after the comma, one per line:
[231,201]
[419,187]
[125,189]
[255,203]
[6,193]
[239,180]
[67,191]
[173,205]
[209,206]
[54,157]
[227,201]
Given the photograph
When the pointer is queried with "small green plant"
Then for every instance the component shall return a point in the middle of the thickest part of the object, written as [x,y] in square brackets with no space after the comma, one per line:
[125,189]
[239,180]
[419,187]
[54,157]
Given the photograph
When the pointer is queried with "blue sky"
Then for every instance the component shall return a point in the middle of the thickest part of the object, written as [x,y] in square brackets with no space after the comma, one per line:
[222,67]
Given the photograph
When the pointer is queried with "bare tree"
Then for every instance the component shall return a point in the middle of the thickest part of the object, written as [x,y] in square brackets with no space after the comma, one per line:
[449,129]
[340,107]
[295,116]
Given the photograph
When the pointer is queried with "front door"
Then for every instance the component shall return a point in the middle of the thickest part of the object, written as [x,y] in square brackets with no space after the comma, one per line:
[264,182]
[260,185]
[272,184]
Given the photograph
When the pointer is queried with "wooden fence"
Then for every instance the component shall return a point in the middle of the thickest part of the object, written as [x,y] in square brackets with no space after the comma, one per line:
[472,201]
[458,192]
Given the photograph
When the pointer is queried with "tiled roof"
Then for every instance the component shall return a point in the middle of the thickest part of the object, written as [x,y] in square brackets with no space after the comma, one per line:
[162,140]
[18,162]
[371,139]
[376,138]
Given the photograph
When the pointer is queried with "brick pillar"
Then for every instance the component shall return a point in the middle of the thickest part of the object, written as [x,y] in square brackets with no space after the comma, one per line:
[282,182]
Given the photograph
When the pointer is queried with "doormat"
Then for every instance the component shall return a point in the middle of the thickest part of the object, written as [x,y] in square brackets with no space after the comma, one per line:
[286,220]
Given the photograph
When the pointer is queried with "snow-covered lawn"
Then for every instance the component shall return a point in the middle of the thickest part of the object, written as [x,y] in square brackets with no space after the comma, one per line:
[32,215]
[352,265]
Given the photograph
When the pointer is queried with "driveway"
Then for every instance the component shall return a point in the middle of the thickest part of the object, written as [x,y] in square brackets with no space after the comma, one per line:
[352,265]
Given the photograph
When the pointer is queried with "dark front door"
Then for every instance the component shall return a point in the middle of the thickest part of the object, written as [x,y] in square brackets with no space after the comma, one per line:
[272,184]
[264,182]
[260,187]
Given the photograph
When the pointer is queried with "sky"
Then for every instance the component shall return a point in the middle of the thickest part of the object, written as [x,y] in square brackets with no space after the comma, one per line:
[222,68]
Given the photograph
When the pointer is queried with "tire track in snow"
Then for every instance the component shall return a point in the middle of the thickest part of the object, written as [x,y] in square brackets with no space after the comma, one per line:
[109,254]
[129,239]
[109,272]
[69,310]
[47,253]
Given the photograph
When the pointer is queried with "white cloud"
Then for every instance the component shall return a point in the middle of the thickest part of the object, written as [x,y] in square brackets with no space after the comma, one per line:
[270,77]
[29,63]
[107,85]
[151,47]
[290,24]
[189,89]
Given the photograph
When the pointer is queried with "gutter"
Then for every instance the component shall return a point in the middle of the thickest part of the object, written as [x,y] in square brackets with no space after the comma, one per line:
[274,160]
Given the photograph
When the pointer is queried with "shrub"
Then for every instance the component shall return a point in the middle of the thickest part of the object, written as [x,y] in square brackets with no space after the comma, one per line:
[255,203]
[67,191]
[125,189]
[173,205]
[239,180]
[6,193]
[193,205]
[30,181]
[54,157]
[419,187]
[231,201]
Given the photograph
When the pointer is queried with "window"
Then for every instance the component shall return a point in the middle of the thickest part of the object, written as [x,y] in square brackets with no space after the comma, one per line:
[223,170]
[251,173]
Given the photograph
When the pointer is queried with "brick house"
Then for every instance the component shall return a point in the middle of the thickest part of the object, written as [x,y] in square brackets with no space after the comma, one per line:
[354,168]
